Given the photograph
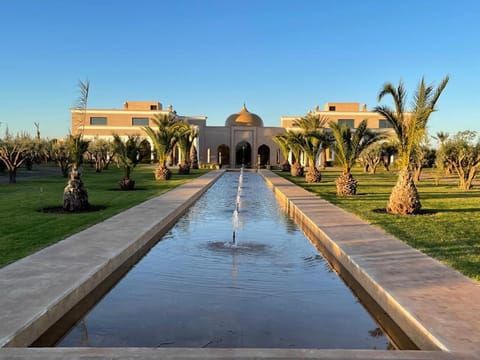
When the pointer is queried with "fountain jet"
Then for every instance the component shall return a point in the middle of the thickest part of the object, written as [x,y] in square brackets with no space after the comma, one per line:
[237,206]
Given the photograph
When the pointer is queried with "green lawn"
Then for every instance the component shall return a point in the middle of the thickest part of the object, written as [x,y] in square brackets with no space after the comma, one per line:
[448,231]
[24,229]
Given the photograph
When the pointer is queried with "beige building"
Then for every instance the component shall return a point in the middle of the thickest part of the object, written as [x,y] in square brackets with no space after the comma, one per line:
[243,140]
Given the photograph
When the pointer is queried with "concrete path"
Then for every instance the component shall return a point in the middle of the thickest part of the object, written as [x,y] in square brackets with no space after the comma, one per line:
[435,305]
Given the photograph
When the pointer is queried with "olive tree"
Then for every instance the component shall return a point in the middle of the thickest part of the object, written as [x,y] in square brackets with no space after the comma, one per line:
[14,153]
[462,153]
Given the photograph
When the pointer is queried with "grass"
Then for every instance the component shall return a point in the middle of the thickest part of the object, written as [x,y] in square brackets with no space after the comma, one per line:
[24,229]
[449,229]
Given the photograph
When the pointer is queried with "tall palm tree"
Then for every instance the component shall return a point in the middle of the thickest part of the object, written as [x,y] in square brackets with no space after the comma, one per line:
[127,155]
[186,135]
[164,140]
[410,128]
[348,146]
[313,134]
[75,196]
[282,142]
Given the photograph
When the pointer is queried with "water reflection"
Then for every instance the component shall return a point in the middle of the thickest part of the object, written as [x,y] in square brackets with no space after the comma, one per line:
[194,289]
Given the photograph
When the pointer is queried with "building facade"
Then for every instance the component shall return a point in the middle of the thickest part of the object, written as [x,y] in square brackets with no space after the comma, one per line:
[243,140]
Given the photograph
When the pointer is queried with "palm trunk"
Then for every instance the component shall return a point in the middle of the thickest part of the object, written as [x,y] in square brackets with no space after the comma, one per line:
[346,184]
[324,159]
[75,196]
[296,169]
[313,175]
[163,173]
[404,199]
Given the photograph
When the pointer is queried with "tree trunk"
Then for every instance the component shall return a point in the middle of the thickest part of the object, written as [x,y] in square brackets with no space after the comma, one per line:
[184,168]
[346,184]
[404,199]
[313,175]
[296,169]
[467,179]
[417,173]
[286,166]
[127,184]
[64,166]
[193,157]
[75,197]
[163,173]
[12,176]
[323,155]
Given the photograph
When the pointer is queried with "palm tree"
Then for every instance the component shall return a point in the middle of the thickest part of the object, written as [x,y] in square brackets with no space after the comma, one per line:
[75,196]
[410,128]
[282,141]
[164,140]
[127,155]
[313,134]
[348,146]
[186,135]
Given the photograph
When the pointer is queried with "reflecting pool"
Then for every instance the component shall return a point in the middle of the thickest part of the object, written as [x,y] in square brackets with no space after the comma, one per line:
[195,288]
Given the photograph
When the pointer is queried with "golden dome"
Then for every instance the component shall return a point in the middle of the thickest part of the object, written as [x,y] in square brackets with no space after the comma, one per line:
[244,118]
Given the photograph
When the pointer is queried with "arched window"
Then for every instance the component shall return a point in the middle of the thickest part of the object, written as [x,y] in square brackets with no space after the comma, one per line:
[223,155]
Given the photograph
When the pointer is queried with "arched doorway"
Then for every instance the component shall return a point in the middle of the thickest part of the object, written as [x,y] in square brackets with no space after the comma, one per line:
[243,154]
[223,155]
[264,155]
[145,150]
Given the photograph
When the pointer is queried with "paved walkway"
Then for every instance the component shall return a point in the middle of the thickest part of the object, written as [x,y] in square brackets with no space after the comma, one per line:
[435,305]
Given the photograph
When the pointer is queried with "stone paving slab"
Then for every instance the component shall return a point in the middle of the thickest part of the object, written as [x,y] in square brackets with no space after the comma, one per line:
[38,290]
[438,307]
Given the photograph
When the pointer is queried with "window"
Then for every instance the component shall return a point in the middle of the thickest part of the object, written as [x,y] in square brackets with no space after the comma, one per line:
[139,121]
[349,122]
[153,107]
[384,124]
[332,108]
[98,120]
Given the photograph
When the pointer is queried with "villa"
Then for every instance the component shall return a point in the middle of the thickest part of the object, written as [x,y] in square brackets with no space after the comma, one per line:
[243,140]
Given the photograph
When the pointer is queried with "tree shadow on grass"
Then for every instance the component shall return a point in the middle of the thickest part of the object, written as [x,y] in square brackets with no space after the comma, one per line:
[61,210]
[423,212]
[137,188]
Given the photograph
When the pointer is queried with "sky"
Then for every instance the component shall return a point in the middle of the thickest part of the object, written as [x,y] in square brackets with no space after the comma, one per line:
[209,57]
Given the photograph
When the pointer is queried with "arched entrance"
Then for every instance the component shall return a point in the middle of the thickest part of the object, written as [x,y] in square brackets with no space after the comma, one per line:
[243,154]
[145,150]
[223,155]
[264,155]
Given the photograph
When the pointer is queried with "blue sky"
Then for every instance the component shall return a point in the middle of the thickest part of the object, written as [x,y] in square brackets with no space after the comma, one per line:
[208,57]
